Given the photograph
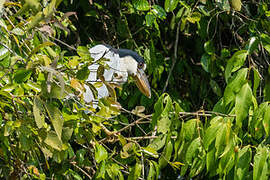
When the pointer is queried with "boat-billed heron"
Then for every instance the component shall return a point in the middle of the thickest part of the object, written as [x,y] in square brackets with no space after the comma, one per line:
[120,63]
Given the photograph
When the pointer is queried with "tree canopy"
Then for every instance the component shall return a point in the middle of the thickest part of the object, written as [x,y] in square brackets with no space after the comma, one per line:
[208,66]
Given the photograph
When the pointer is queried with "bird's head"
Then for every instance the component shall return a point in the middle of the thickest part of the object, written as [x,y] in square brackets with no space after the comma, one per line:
[135,66]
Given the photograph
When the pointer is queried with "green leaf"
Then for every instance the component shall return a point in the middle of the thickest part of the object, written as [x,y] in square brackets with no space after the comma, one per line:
[67,133]
[260,167]
[83,73]
[253,45]
[194,17]
[158,107]
[3,53]
[193,150]
[209,47]
[38,112]
[266,120]
[32,86]
[170,5]
[22,75]
[211,162]
[220,139]
[206,61]
[150,151]
[100,153]
[166,154]
[256,80]
[210,134]
[40,46]
[56,118]
[242,164]
[158,143]
[163,124]
[235,85]
[53,141]
[141,5]
[242,104]
[235,63]
[223,4]
[159,12]
[83,52]
[150,18]
[188,131]
[135,171]
[152,171]
[215,87]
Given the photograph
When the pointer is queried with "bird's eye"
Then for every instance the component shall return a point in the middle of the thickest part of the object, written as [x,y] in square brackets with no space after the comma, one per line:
[140,65]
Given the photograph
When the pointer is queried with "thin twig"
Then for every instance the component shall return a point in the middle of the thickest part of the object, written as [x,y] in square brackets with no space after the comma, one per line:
[75,165]
[175,56]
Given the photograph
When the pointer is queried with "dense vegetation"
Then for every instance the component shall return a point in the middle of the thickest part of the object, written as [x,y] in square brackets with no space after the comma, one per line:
[208,65]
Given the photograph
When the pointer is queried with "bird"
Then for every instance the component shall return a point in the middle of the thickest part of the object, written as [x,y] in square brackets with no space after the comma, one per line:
[118,65]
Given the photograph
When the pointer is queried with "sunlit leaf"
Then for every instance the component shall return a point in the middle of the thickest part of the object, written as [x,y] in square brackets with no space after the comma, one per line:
[53,140]
[236,4]
[36,49]
[17,31]
[100,153]
[194,17]
[141,5]
[170,5]
[56,118]
[242,104]
[260,163]
[159,11]
[235,63]
[192,150]
[38,112]
[238,80]
[253,44]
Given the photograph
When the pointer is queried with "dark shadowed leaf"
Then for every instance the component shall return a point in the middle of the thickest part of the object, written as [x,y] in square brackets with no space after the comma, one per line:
[22,75]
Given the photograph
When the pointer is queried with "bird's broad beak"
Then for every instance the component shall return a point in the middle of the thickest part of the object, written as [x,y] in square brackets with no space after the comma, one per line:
[142,83]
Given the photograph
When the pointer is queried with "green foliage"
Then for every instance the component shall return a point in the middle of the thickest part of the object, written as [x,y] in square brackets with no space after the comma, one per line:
[208,64]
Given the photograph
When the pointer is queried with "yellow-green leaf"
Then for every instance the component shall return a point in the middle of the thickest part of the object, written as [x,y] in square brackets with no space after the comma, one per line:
[38,112]
[56,119]
[53,141]
[236,5]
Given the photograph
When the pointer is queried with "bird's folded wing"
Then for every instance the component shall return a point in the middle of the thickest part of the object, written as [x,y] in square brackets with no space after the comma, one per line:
[115,67]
